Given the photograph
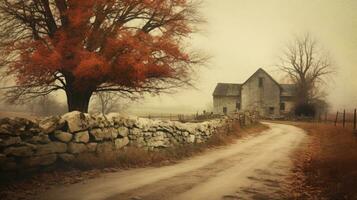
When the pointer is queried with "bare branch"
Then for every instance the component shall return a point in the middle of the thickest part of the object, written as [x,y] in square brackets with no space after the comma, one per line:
[307,65]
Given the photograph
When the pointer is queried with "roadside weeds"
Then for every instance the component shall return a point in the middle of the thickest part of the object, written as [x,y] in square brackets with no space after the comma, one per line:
[325,166]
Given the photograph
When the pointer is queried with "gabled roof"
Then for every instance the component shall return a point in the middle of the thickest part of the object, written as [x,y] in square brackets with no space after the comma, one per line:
[227,89]
[262,70]
[288,90]
[234,90]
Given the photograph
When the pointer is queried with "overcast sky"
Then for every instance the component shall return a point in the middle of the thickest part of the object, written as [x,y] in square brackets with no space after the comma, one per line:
[244,35]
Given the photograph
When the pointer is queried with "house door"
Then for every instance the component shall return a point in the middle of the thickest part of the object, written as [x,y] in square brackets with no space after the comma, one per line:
[225,110]
[271,110]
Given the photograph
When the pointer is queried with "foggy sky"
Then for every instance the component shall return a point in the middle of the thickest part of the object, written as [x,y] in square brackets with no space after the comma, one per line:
[244,35]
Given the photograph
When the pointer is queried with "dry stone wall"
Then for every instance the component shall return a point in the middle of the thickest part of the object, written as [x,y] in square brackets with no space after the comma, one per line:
[26,144]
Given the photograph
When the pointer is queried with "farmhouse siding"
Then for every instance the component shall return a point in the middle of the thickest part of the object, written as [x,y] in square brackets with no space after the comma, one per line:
[288,107]
[261,93]
[225,102]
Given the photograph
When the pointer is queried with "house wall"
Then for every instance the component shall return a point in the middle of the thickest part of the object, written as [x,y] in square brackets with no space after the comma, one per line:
[289,104]
[261,98]
[228,102]
[289,107]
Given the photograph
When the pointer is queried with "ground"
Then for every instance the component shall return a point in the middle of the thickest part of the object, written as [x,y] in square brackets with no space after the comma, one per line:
[255,167]
[325,164]
[284,162]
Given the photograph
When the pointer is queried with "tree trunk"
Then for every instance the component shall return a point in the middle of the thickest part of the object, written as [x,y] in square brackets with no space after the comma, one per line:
[78,100]
[302,94]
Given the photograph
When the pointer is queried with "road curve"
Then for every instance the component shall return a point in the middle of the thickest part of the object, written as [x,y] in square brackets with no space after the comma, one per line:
[251,168]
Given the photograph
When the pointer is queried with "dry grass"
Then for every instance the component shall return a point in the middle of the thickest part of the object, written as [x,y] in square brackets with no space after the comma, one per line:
[326,166]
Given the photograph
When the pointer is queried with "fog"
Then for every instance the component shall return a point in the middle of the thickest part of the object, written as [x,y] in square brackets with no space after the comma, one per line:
[244,35]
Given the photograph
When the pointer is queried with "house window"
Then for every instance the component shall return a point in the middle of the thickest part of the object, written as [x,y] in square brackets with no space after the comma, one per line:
[282,106]
[238,105]
[260,82]
[271,110]
[225,110]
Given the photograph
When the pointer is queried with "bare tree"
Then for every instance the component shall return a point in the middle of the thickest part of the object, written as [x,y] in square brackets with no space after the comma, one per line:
[307,66]
[106,102]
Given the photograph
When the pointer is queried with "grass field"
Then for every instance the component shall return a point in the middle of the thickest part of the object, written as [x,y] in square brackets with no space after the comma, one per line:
[326,166]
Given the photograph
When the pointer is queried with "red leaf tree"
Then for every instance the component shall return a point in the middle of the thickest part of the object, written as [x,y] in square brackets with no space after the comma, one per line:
[89,46]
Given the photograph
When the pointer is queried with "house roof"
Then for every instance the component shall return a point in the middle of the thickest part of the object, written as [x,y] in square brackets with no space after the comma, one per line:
[233,89]
[262,70]
[288,90]
[227,89]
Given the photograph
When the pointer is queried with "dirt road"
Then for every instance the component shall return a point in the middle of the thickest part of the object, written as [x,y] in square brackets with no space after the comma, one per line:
[252,168]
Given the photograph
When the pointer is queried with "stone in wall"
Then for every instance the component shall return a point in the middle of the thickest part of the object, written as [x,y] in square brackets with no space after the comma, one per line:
[100,134]
[63,136]
[121,142]
[123,131]
[76,121]
[51,124]
[53,147]
[76,148]
[66,157]
[41,138]
[136,132]
[21,151]
[129,122]
[158,139]
[18,127]
[82,137]
[92,147]
[138,142]
[10,141]
[102,121]
[191,139]
[105,147]
[115,118]
[24,143]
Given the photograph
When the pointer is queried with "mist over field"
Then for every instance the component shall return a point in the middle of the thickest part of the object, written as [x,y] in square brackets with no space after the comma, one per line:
[243,36]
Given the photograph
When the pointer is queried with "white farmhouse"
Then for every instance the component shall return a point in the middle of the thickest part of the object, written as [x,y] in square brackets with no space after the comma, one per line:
[260,92]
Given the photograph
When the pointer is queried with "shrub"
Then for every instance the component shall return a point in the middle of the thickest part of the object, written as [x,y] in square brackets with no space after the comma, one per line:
[305,109]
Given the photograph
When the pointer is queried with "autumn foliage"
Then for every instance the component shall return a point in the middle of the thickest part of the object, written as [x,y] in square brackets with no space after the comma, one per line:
[89,46]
